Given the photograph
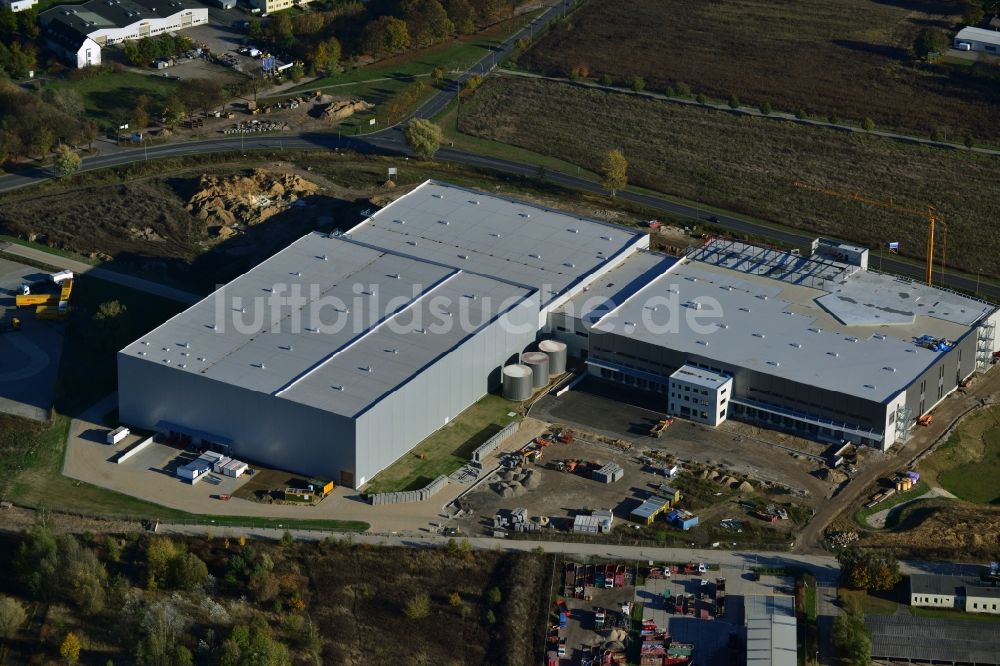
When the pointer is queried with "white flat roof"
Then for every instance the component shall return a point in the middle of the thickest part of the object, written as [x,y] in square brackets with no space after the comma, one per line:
[360,323]
[511,240]
[692,374]
[783,329]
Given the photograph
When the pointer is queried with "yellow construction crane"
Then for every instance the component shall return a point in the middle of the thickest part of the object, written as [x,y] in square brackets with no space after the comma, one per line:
[930,214]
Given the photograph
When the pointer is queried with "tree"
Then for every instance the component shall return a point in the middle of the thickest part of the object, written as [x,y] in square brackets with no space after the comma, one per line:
[418,607]
[766,109]
[159,551]
[454,600]
[203,94]
[423,137]
[734,102]
[637,83]
[427,21]
[384,36]
[437,74]
[493,596]
[865,570]
[868,124]
[41,143]
[851,636]
[326,55]
[930,41]
[614,171]
[254,30]
[701,99]
[69,649]
[138,120]
[462,15]
[12,616]
[37,562]
[186,571]
[110,330]
[66,162]
[973,15]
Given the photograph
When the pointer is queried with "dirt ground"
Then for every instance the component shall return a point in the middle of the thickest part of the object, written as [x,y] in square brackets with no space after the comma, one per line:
[195,228]
[560,496]
[619,413]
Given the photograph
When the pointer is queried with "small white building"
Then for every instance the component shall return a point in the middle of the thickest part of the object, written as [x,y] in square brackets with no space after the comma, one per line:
[19,5]
[117,435]
[981,599]
[978,39]
[699,395]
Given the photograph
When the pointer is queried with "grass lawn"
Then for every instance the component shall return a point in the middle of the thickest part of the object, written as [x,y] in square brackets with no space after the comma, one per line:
[109,96]
[811,609]
[861,515]
[447,449]
[870,604]
[458,54]
[968,464]
[750,166]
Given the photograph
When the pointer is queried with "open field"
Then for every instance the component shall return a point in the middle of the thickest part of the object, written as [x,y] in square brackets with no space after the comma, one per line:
[968,464]
[109,97]
[447,449]
[752,165]
[848,58]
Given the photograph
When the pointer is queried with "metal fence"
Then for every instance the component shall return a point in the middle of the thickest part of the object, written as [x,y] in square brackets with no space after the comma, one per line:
[406,496]
[495,441]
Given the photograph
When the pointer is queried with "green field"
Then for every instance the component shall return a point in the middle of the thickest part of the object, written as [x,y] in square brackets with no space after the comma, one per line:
[108,97]
[447,449]
[458,54]
[870,604]
[751,166]
[968,464]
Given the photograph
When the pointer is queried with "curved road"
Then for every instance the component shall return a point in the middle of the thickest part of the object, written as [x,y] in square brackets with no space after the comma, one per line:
[391,141]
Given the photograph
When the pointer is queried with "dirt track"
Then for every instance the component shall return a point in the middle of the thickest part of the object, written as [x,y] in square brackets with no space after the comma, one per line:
[945,415]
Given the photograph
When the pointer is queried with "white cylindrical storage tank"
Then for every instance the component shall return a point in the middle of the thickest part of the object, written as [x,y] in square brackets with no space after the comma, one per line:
[539,364]
[517,382]
[556,351]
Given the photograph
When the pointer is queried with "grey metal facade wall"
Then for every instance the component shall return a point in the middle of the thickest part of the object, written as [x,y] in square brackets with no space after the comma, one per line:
[747,383]
[264,429]
[441,391]
[943,376]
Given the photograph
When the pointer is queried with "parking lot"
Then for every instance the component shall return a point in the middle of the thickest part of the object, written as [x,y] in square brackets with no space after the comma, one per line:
[29,357]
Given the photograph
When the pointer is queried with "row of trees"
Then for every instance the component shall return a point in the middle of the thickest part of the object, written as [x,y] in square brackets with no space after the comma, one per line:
[142,52]
[380,28]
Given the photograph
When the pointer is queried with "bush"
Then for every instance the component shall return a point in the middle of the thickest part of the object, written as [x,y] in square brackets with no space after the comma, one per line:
[683,89]
[493,596]
[700,98]
[734,102]
[418,607]
[670,92]
[606,80]
[637,83]
[801,115]
[765,108]
[868,124]
[936,135]
[969,142]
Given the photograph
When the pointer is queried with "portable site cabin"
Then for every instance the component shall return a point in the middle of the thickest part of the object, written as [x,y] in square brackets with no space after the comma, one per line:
[117,435]
[609,473]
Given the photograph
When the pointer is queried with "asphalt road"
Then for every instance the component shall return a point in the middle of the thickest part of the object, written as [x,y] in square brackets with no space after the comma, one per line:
[391,141]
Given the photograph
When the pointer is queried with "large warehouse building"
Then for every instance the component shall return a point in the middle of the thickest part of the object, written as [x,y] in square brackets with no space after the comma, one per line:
[342,352]
[825,349]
